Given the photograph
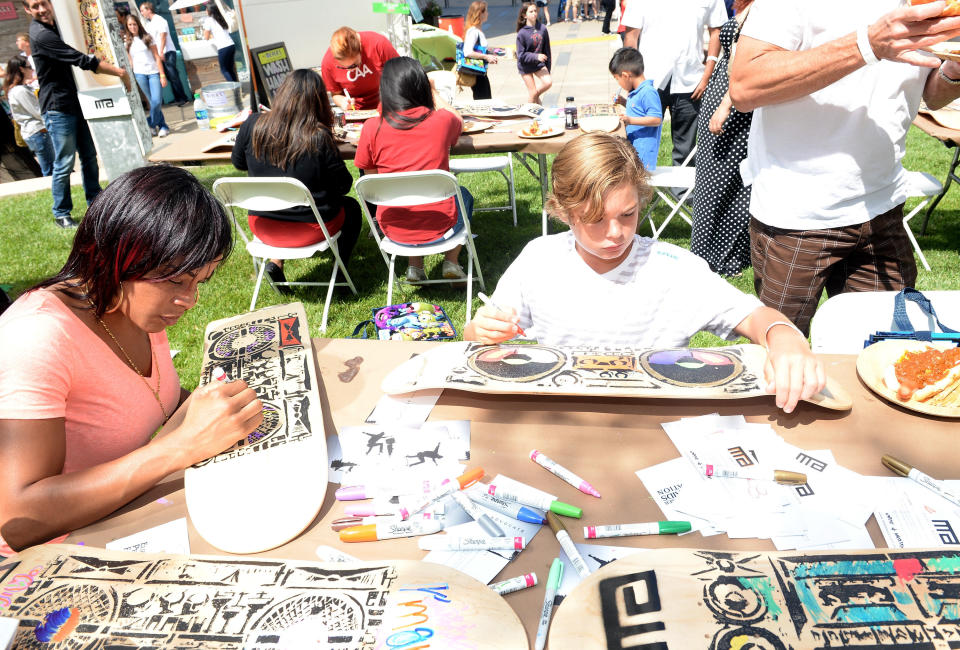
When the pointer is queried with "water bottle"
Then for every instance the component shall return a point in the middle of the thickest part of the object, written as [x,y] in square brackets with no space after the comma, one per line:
[570,114]
[200,110]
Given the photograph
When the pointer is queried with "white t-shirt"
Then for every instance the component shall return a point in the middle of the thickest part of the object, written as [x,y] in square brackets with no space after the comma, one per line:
[472,39]
[671,38]
[157,26]
[832,158]
[660,296]
[218,34]
[141,57]
[25,108]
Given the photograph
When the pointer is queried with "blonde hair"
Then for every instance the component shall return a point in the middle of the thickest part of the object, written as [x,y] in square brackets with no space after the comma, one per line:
[586,169]
[474,13]
[345,42]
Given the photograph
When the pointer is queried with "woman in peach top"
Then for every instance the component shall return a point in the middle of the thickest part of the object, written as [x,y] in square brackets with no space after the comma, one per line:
[85,372]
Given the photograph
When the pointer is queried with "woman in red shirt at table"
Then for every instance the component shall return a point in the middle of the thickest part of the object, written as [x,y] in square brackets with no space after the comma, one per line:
[415,132]
[295,140]
[352,66]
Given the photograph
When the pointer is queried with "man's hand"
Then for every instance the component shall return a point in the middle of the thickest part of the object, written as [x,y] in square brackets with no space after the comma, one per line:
[897,35]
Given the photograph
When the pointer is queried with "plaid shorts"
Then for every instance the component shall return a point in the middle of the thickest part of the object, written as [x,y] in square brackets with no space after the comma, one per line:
[792,267]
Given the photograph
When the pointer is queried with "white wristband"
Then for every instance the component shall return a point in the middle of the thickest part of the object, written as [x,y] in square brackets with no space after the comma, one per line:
[715,59]
[779,322]
[863,44]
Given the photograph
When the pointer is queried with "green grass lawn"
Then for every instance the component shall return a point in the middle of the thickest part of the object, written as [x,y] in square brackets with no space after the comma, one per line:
[33,248]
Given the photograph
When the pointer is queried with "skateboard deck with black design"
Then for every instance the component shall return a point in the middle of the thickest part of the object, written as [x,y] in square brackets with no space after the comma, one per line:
[68,597]
[266,489]
[733,372]
[687,598]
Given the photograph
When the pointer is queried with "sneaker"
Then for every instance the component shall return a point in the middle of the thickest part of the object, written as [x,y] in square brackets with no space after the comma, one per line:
[163,132]
[453,271]
[181,104]
[65,222]
[275,273]
[416,274]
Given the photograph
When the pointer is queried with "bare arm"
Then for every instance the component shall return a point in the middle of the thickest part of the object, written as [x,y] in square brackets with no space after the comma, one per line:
[116,71]
[762,74]
[341,101]
[792,371]
[713,50]
[37,502]
[937,93]
[631,36]
[163,74]
[640,121]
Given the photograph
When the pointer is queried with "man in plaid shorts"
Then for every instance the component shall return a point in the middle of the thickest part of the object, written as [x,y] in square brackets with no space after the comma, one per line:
[834,87]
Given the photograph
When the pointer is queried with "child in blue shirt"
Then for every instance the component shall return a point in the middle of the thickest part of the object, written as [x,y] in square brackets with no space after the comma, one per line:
[644,116]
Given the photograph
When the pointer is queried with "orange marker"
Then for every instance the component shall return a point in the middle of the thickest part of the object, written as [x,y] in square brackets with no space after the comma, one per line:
[390,530]
[466,479]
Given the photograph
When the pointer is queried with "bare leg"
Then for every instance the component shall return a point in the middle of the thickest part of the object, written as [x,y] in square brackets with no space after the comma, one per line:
[452,254]
[546,15]
[415,261]
[531,88]
[543,82]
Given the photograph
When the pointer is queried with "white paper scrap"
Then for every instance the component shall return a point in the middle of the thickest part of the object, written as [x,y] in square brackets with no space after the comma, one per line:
[171,537]
[411,409]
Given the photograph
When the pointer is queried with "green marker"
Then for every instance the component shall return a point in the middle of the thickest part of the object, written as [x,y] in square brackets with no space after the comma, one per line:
[553,584]
[626,530]
[535,501]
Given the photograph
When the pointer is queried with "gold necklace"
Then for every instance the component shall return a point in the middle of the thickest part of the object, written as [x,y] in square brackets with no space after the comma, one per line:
[153,357]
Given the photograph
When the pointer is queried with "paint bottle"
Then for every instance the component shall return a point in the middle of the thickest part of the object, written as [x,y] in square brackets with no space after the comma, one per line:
[200,110]
[570,114]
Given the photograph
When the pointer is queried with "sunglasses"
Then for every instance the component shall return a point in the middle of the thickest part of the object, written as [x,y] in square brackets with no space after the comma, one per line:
[349,67]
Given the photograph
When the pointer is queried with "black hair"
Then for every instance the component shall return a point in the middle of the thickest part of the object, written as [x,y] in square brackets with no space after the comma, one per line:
[157,218]
[404,85]
[214,12]
[627,59]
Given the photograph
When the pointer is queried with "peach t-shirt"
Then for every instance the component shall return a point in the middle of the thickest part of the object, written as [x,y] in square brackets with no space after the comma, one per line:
[53,366]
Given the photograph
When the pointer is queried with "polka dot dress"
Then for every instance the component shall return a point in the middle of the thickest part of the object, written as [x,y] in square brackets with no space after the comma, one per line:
[721,218]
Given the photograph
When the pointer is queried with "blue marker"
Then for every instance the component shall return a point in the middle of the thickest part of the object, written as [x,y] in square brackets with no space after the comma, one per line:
[508,508]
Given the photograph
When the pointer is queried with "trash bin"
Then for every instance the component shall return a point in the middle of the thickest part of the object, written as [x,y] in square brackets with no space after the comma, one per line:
[452,23]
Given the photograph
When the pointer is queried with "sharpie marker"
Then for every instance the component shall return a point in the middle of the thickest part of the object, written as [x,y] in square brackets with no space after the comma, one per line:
[387,488]
[628,530]
[390,530]
[476,513]
[912,473]
[504,507]
[781,476]
[515,584]
[489,303]
[553,583]
[466,479]
[567,545]
[535,501]
[563,473]
[455,543]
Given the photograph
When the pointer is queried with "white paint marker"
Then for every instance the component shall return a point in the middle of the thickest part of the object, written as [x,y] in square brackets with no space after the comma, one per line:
[912,473]
[628,530]
[553,584]
[780,476]
[562,473]
[477,514]
[567,545]
[456,543]
[515,584]
[535,501]
[218,374]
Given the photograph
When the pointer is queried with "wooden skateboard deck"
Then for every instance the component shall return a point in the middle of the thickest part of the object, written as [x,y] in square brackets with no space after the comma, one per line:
[733,372]
[82,597]
[685,598]
[268,488]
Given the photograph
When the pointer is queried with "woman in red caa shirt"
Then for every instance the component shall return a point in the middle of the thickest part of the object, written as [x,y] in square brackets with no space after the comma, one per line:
[415,132]
[353,65]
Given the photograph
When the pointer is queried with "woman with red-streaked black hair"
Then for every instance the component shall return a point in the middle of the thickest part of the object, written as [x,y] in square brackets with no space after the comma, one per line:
[85,372]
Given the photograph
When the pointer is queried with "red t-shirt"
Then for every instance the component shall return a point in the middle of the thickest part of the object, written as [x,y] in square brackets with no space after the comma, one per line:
[425,146]
[363,83]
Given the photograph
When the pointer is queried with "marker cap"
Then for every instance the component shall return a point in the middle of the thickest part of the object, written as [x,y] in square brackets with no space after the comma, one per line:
[566,510]
[789,478]
[351,493]
[367,533]
[470,477]
[896,466]
[674,527]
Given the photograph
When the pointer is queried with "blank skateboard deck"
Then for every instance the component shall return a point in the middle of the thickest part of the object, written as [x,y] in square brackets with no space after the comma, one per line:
[733,372]
[685,598]
[266,489]
[82,597]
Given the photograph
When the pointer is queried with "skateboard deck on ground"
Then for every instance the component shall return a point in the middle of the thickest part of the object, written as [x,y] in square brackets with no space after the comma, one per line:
[82,597]
[733,372]
[266,489]
[685,598]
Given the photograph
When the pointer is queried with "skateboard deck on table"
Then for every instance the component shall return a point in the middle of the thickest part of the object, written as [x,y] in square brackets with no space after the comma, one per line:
[733,372]
[266,489]
[82,597]
[685,598]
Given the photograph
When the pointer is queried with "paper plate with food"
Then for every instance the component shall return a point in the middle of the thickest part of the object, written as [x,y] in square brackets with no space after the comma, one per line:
[353,130]
[916,375]
[537,129]
[358,116]
[476,126]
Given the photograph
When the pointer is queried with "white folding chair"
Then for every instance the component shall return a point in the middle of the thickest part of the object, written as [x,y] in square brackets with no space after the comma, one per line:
[664,180]
[842,323]
[269,195]
[501,164]
[920,185]
[404,189]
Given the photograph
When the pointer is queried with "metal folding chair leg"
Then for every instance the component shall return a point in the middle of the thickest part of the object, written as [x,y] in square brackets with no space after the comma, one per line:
[910,235]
